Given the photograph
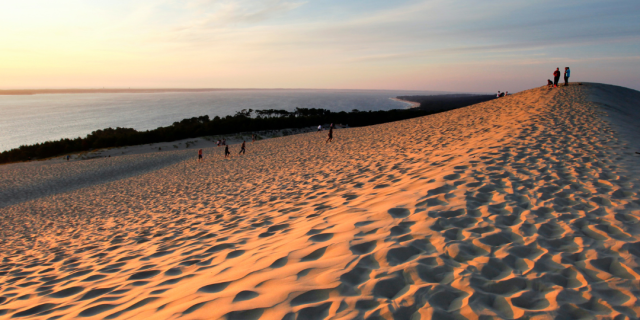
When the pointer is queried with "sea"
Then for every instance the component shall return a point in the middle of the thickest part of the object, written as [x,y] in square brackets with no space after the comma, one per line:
[30,119]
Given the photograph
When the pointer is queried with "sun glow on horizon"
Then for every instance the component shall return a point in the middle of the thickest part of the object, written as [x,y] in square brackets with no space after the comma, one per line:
[414,45]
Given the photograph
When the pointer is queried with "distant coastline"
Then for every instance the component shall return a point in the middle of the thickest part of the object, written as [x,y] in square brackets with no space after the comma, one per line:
[444,102]
[412,104]
[246,120]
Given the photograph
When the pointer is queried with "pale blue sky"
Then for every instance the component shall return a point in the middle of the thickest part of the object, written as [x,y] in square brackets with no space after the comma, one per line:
[451,45]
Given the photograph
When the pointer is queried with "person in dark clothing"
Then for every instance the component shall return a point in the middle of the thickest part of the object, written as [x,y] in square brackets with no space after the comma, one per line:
[330,138]
[567,74]
[242,150]
[556,77]
[549,83]
[226,151]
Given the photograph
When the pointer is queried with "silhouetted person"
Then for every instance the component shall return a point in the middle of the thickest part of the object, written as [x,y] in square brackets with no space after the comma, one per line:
[330,138]
[549,83]
[567,74]
[226,151]
[556,77]
[200,155]
[242,150]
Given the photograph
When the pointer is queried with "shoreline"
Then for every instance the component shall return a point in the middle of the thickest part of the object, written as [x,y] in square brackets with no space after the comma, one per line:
[410,103]
[445,103]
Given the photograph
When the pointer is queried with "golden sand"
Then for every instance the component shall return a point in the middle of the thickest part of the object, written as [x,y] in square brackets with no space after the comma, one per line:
[524,206]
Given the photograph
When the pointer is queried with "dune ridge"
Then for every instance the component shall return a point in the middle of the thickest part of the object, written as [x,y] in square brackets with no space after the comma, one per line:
[522,207]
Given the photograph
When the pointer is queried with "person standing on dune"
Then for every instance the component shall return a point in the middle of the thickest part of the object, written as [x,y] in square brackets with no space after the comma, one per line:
[556,77]
[330,138]
[226,151]
[200,155]
[242,150]
[567,74]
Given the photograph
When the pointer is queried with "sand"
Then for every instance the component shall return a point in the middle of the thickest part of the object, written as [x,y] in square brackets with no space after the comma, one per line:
[31,180]
[410,103]
[526,206]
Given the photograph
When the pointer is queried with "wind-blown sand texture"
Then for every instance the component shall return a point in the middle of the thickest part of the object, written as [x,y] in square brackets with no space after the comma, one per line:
[522,207]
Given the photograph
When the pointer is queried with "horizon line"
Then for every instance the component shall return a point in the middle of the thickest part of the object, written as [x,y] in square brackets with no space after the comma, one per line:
[34,91]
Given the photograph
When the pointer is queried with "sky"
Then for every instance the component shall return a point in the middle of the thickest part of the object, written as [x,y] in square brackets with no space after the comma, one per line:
[448,45]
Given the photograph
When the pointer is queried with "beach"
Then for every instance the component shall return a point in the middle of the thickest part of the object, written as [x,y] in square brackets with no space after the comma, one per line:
[526,206]
[410,103]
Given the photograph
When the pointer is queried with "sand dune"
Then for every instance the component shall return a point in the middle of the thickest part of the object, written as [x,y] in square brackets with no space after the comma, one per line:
[524,206]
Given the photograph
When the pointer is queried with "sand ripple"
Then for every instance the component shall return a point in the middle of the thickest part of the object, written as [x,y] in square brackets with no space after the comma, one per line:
[522,207]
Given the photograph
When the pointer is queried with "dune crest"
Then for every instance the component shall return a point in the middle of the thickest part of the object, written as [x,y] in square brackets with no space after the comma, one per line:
[524,206]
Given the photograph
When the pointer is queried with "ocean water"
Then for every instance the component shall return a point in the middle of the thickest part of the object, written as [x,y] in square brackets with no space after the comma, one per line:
[30,119]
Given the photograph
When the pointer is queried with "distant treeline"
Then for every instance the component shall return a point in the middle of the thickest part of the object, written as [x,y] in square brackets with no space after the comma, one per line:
[439,103]
[243,121]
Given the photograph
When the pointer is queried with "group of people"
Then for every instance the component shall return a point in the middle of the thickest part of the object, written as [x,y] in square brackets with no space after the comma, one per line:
[502,94]
[243,149]
[227,153]
[556,78]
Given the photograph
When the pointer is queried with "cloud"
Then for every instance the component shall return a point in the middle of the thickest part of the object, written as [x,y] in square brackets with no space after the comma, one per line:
[302,38]
[216,14]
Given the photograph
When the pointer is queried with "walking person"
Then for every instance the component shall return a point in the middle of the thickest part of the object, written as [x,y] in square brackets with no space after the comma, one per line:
[556,77]
[242,150]
[226,152]
[330,138]
[567,74]
[200,155]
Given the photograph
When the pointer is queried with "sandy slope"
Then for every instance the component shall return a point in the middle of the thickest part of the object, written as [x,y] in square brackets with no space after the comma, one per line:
[31,180]
[525,206]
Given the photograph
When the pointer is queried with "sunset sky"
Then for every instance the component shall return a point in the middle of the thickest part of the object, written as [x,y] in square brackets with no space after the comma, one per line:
[454,45]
